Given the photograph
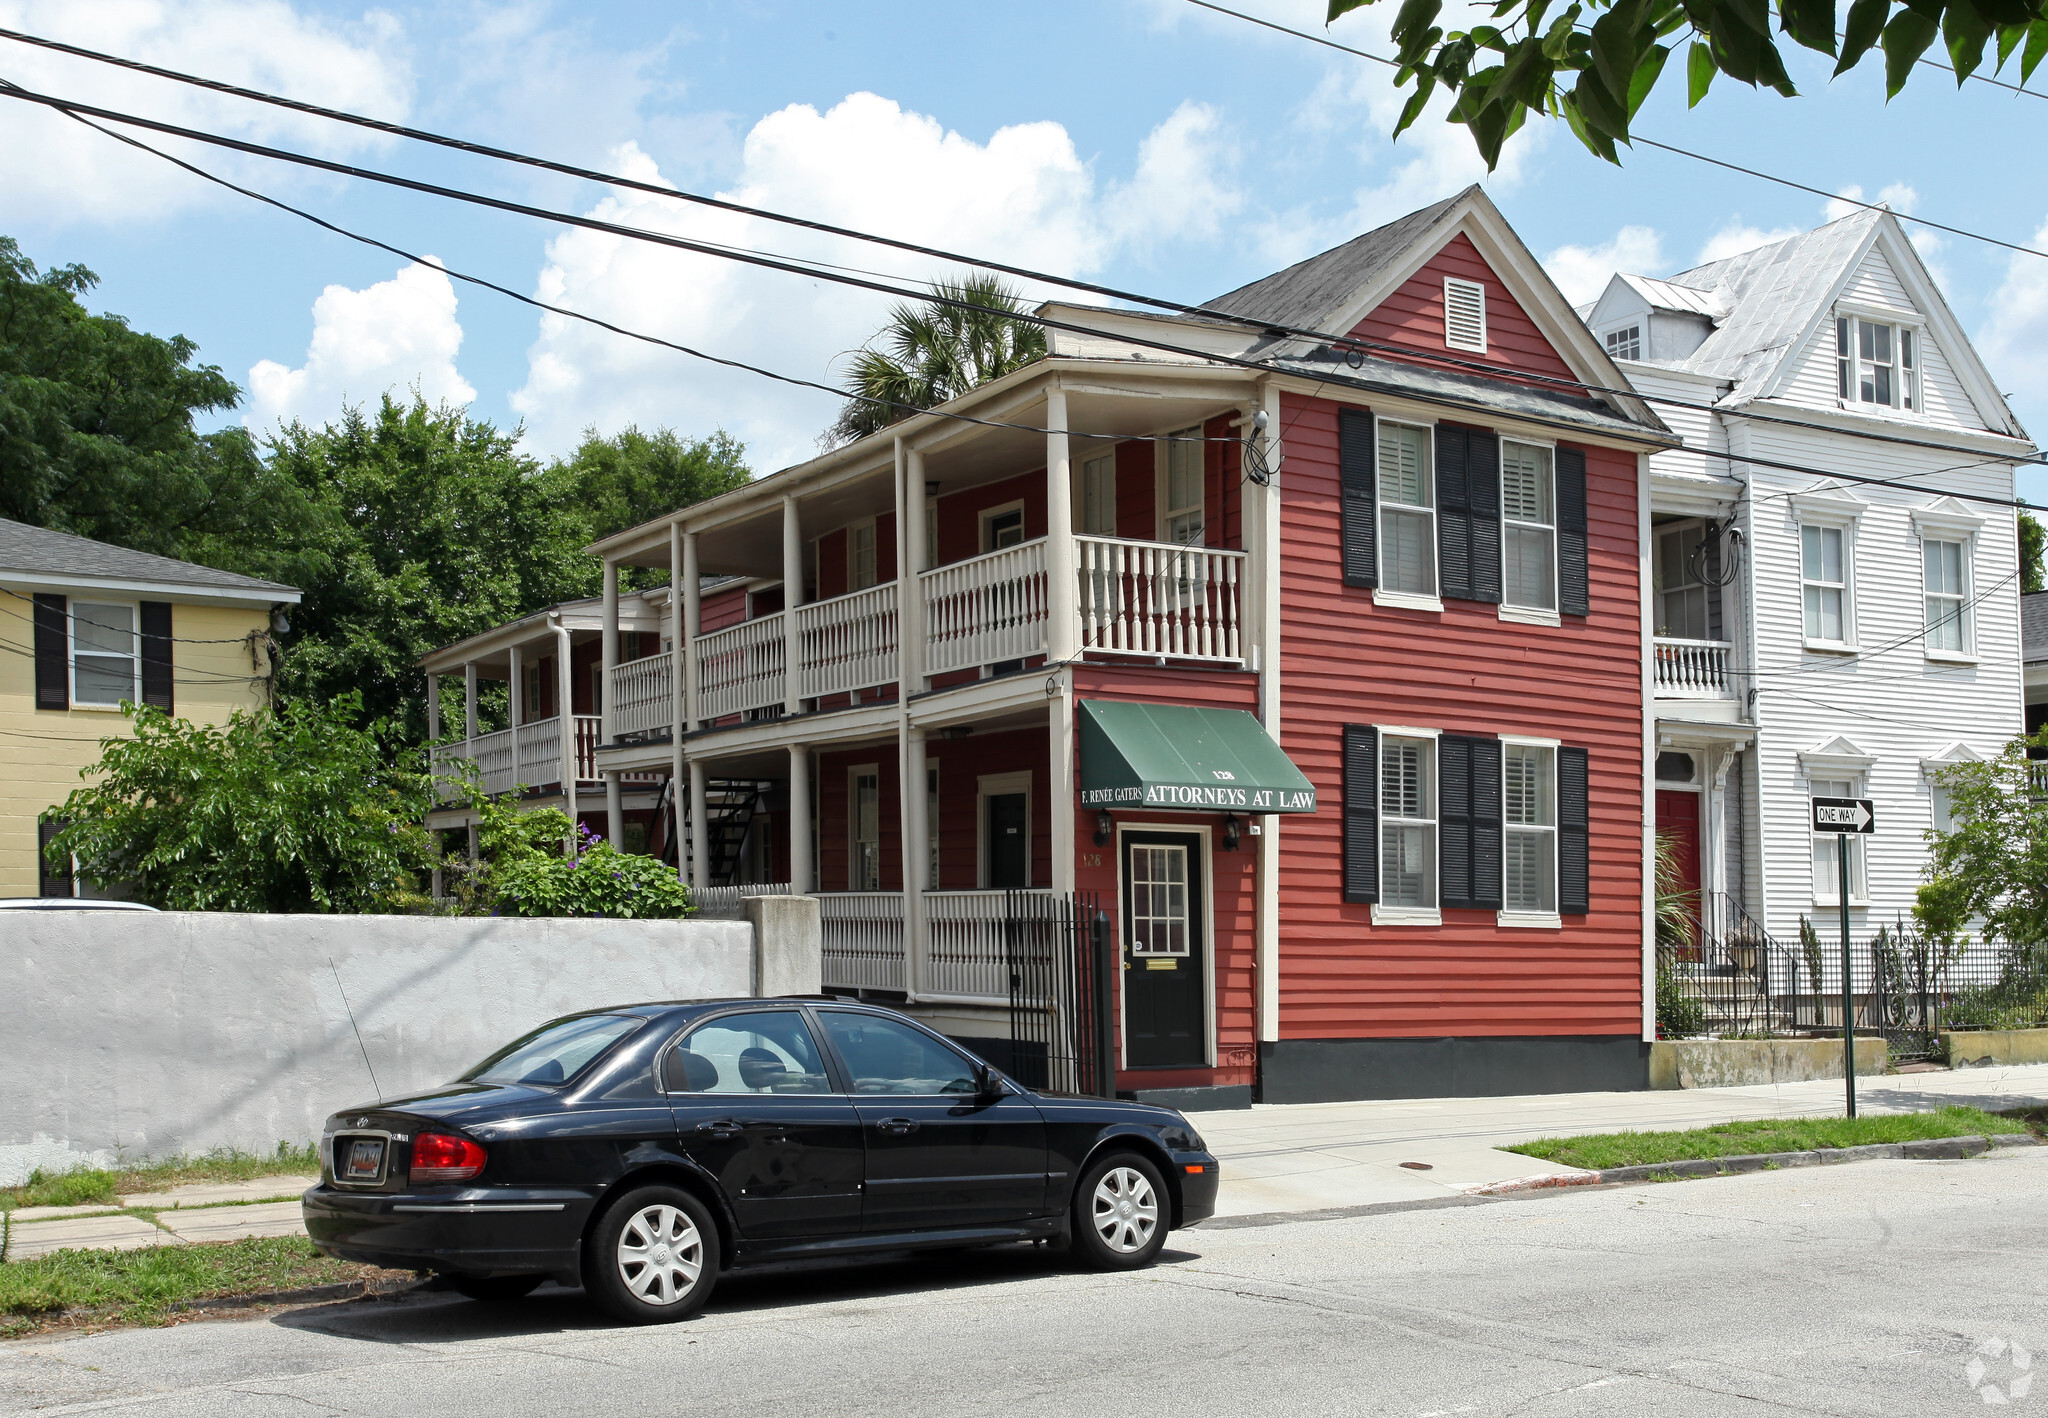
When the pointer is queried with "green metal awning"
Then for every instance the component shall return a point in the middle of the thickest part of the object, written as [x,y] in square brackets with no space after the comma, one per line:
[1184,759]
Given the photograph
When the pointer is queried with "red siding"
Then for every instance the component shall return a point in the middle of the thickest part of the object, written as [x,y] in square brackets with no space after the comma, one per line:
[1347,661]
[1414,315]
[723,608]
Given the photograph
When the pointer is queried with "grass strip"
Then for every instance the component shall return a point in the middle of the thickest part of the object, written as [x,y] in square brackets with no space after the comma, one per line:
[1599,1151]
[137,1287]
[92,1186]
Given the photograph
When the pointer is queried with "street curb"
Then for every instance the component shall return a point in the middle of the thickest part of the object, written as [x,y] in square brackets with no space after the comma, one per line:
[347,1290]
[1932,1147]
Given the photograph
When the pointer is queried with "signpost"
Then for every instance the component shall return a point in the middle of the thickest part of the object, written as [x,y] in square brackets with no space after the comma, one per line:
[1844,817]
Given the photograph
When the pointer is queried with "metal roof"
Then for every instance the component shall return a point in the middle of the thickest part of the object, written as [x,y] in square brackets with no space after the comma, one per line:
[1685,300]
[33,550]
[2034,627]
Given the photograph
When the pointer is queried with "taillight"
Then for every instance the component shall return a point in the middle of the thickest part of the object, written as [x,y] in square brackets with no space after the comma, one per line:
[437,1157]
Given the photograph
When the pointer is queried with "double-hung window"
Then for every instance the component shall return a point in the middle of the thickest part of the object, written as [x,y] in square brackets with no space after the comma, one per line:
[1407,510]
[1529,812]
[1877,363]
[866,866]
[105,655]
[1947,590]
[1681,595]
[1098,497]
[1181,513]
[1528,504]
[1824,580]
[1408,822]
[861,569]
[1827,847]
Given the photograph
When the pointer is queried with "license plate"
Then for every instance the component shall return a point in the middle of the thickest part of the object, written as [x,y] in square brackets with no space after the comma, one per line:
[365,1160]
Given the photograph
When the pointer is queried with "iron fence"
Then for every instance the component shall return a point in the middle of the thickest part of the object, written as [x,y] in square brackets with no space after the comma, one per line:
[1902,985]
[1057,954]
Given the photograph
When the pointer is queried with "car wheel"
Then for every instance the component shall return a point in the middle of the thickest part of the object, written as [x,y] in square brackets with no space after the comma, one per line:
[653,1256]
[496,1289]
[1121,1212]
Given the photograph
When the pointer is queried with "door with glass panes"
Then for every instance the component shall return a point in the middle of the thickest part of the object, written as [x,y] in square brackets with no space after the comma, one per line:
[1165,951]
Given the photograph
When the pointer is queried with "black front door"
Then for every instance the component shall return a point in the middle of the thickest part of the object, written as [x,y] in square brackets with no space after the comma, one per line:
[755,1105]
[937,1155]
[1165,952]
[1009,841]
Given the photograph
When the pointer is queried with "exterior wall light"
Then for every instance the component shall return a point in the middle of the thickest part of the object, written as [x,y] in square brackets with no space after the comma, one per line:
[1105,828]
[1231,834]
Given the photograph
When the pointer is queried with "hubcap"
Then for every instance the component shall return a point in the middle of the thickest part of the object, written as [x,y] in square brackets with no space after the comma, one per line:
[660,1254]
[1126,1210]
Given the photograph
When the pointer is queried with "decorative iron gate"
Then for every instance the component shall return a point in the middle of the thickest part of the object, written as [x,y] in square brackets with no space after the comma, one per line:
[1062,992]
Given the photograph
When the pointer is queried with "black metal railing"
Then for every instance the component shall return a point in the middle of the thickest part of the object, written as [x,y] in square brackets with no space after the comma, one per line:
[1057,953]
[1903,986]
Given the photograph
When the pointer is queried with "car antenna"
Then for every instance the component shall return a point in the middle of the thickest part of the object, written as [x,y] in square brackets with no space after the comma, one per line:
[359,1033]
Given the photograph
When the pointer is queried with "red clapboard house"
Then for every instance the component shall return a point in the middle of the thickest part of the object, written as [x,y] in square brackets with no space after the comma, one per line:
[1300,642]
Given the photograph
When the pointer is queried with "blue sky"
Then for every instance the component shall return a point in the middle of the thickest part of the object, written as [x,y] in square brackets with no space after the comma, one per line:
[1145,143]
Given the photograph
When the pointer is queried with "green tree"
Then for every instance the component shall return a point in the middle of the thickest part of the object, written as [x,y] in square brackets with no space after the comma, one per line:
[297,810]
[1992,863]
[1593,62]
[933,352]
[96,426]
[2031,546]
[626,478]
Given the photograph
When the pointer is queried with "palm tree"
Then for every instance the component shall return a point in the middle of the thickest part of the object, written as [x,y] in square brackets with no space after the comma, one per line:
[935,351]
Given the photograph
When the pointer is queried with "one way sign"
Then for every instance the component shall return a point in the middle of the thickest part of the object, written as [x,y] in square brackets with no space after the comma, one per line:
[1844,815]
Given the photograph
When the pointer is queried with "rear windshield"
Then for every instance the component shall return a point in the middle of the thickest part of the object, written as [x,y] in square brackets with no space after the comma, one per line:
[554,1053]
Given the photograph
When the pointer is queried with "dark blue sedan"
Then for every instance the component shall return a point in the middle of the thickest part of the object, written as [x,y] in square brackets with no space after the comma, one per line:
[646,1150]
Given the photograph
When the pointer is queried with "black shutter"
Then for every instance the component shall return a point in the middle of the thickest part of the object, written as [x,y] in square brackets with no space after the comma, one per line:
[1486,824]
[1573,866]
[1360,497]
[1573,597]
[156,655]
[53,880]
[1453,517]
[1482,494]
[1454,822]
[1361,813]
[53,654]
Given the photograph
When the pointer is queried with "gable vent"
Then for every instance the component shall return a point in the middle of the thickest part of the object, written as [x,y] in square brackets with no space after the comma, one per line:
[1464,314]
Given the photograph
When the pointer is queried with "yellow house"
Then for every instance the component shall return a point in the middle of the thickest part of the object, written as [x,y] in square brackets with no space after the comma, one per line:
[85,625]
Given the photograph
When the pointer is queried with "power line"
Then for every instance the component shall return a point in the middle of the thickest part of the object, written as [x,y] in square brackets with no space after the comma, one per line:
[76,112]
[1662,147]
[242,639]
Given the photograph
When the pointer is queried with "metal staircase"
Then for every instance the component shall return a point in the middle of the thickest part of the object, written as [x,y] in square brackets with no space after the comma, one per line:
[731,805]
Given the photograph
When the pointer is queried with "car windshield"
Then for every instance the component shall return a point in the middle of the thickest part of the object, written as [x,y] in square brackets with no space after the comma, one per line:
[554,1053]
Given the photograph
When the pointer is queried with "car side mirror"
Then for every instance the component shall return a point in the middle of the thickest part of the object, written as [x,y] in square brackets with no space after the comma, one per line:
[987,1082]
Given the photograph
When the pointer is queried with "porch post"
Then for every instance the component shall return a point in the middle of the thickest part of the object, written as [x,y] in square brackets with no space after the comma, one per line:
[917,860]
[679,580]
[792,593]
[801,873]
[614,811]
[1063,780]
[687,623]
[435,758]
[910,562]
[469,706]
[700,825]
[1062,595]
[1265,572]
[610,652]
[514,701]
[565,723]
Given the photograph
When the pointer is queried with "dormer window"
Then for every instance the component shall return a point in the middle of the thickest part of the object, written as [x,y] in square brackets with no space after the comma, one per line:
[1464,315]
[1877,363]
[1625,343]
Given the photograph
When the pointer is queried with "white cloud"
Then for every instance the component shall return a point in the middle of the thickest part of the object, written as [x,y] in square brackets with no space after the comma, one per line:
[1025,196]
[1582,272]
[397,335]
[2014,341]
[52,168]
[1900,197]
[1734,238]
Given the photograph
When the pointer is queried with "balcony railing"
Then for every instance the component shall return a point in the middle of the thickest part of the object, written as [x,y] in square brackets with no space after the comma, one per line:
[537,761]
[1155,598]
[642,694]
[863,940]
[848,642]
[986,610]
[741,668]
[1693,669]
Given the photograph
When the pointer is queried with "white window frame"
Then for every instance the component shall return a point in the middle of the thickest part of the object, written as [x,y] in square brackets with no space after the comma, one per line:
[1965,621]
[1825,508]
[1908,366]
[1506,918]
[989,515]
[134,609]
[932,800]
[994,785]
[1167,513]
[1382,595]
[853,839]
[1510,610]
[1626,342]
[931,533]
[1470,289]
[853,581]
[1382,912]
[1938,804]
[1659,588]
[1808,584]
[1091,480]
[1826,880]
[1949,521]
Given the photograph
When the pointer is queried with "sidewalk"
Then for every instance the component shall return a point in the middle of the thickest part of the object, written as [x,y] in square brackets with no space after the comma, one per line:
[202,1211]
[1308,1156]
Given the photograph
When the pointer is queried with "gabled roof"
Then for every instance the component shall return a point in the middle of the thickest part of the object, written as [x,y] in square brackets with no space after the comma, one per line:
[38,551]
[2034,627]
[1308,292]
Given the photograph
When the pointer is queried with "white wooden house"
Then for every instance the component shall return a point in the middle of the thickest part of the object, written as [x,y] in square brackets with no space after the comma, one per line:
[1817,632]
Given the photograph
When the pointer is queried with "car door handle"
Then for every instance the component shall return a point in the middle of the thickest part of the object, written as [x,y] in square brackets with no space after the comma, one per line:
[724,1131]
[897,1127]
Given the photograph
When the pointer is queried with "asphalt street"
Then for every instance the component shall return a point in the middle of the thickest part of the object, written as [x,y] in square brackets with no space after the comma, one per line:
[1864,1289]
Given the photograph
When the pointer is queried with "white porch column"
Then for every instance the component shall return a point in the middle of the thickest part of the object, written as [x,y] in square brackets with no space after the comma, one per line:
[515,699]
[679,580]
[1062,787]
[1265,576]
[565,723]
[1062,592]
[614,812]
[610,653]
[917,857]
[792,594]
[700,825]
[434,730]
[688,623]
[434,761]
[802,875]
